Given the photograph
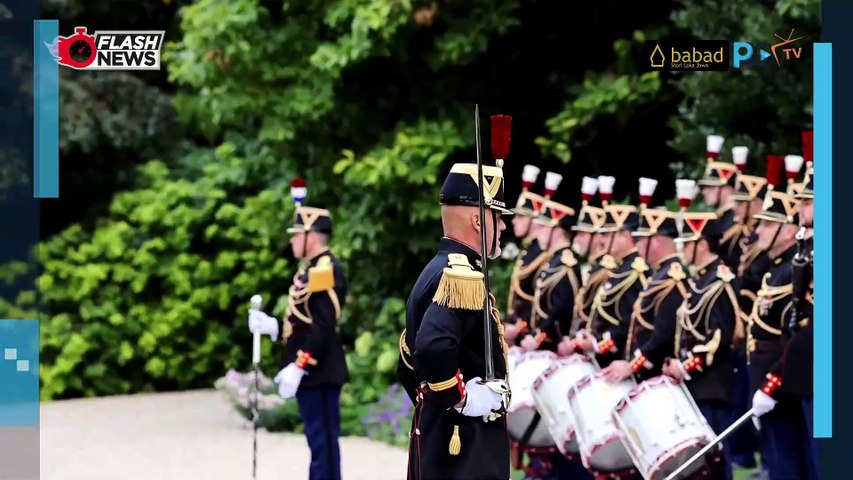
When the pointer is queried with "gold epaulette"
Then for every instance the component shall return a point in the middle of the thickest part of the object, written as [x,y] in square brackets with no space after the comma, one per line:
[321,277]
[639,265]
[608,262]
[725,274]
[568,258]
[676,272]
[460,286]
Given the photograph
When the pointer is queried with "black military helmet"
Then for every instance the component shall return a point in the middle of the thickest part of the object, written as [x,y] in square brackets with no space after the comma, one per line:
[461,187]
[779,207]
[311,219]
[555,214]
[620,217]
[657,221]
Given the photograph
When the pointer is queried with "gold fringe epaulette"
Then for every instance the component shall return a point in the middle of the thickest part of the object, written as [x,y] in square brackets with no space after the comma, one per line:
[321,277]
[460,286]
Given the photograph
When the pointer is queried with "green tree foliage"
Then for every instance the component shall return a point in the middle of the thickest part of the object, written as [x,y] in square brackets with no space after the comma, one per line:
[371,101]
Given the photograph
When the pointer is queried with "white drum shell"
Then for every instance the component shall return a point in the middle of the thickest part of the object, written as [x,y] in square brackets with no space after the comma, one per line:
[551,395]
[592,401]
[526,367]
[662,427]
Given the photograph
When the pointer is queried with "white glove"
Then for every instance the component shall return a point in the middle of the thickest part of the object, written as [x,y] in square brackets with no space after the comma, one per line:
[288,380]
[480,400]
[263,323]
[762,403]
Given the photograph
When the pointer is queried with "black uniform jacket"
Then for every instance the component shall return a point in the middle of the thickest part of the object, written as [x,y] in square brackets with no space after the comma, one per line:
[613,305]
[706,324]
[598,274]
[770,312]
[731,246]
[445,341]
[554,300]
[311,326]
[523,282]
[796,367]
[655,315]
[753,265]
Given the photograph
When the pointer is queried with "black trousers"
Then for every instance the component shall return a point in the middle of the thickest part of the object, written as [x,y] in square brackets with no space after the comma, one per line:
[321,416]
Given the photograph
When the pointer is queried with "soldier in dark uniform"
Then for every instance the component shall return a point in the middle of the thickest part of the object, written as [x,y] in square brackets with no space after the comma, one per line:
[554,301]
[530,260]
[706,325]
[558,281]
[455,430]
[754,263]
[793,373]
[717,188]
[607,331]
[593,274]
[316,366]
[783,450]
[651,334]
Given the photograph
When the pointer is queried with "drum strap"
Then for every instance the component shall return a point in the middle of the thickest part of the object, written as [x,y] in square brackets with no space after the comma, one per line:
[522,444]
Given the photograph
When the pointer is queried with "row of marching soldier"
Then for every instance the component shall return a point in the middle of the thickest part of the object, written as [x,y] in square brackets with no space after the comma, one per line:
[714,307]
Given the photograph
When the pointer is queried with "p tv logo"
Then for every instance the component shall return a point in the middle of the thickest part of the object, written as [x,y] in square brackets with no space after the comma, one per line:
[787,49]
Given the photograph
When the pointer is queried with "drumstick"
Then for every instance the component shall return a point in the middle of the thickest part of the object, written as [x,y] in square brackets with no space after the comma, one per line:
[734,426]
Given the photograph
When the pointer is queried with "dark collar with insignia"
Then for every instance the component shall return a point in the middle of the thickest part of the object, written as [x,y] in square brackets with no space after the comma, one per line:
[449,245]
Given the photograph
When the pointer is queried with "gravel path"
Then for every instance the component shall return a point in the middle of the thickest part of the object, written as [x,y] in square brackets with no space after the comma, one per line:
[184,436]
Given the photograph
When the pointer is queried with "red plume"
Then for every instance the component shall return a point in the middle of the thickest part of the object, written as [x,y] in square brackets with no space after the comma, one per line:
[774,169]
[808,146]
[297,183]
[501,126]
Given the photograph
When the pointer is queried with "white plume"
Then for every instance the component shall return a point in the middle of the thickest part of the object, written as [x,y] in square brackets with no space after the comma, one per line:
[589,186]
[605,184]
[714,143]
[685,188]
[793,163]
[739,155]
[648,186]
[530,173]
[552,181]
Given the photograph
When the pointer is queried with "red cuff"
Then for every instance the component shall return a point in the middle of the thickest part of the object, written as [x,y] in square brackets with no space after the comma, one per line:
[692,364]
[521,325]
[640,362]
[541,338]
[773,384]
[607,346]
[303,359]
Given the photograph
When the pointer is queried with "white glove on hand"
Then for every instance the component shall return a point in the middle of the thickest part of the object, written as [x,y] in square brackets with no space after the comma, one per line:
[480,400]
[263,323]
[762,403]
[288,380]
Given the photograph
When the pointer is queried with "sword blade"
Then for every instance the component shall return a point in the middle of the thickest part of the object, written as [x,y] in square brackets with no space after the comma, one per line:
[487,308]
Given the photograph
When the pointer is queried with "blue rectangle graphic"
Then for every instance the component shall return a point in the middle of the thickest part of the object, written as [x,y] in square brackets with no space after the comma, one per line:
[19,373]
[823,241]
[45,111]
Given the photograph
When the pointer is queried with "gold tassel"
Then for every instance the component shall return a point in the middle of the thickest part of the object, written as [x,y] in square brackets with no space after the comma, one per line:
[460,286]
[455,442]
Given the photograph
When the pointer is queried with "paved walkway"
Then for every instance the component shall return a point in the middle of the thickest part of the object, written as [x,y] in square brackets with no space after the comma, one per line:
[184,436]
